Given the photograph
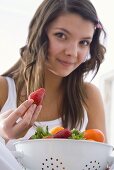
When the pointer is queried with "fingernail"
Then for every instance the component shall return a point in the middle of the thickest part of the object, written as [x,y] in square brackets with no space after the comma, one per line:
[39,107]
[30,101]
[34,106]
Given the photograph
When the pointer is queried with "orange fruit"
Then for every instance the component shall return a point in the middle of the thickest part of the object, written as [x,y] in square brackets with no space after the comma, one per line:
[94,134]
[56,129]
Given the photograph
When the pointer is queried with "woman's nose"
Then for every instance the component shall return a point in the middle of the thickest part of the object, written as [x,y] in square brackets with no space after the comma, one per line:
[71,49]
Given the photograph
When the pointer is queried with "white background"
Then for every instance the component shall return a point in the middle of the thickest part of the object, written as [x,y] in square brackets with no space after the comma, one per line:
[15,16]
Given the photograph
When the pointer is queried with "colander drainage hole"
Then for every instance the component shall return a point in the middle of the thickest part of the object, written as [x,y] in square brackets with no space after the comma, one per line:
[52,164]
[92,165]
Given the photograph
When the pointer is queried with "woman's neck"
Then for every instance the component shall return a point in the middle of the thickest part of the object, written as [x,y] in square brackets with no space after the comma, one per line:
[52,82]
[52,101]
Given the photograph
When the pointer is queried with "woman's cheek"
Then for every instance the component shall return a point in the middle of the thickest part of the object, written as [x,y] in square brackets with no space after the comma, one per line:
[81,59]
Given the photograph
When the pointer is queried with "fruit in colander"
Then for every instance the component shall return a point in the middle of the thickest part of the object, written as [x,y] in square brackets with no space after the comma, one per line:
[94,134]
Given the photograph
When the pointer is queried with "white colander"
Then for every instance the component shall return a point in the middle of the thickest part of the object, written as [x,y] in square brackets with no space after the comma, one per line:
[63,154]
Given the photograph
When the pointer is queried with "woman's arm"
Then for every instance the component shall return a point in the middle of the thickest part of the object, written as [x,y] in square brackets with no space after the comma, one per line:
[95,109]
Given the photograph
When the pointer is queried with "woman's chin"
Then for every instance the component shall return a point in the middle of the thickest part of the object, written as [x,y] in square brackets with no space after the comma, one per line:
[59,73]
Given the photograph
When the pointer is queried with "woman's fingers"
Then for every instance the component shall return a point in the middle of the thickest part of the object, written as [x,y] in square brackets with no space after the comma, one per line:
[36,114]
[16,122]
[25,122]
[5,114]
[12,131]
[20,111]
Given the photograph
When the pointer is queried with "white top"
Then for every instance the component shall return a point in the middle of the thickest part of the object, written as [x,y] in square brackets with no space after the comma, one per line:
[12,96]
[11,104]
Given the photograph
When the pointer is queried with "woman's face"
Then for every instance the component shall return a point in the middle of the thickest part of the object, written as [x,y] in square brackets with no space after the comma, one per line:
[69,42]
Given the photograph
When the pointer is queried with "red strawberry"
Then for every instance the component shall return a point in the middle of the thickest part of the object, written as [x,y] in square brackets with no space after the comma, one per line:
[65,133]
[37,96]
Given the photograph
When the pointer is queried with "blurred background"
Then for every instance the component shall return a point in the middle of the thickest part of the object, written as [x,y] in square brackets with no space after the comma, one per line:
[15,16]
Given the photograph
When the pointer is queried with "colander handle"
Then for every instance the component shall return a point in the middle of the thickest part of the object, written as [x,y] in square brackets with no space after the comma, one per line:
[17,154]
[111,160]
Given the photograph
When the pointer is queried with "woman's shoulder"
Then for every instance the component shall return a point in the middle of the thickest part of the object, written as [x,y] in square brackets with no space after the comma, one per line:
[91,89]
[3,91]
[93,96]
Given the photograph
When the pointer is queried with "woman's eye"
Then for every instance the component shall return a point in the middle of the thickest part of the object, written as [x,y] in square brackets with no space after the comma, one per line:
[60,35]
[85,43]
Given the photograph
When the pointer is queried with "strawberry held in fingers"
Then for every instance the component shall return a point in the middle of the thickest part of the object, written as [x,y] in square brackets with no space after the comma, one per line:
[37,96]
[65,133]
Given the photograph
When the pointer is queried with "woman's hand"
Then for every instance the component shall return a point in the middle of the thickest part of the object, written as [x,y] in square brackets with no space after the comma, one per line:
[13,123]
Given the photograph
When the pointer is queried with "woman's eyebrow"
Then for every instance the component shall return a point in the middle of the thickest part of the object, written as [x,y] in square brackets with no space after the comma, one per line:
[62,29]
[87,38]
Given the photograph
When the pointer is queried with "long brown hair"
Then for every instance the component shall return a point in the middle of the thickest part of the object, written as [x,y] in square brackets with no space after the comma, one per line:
[28,72]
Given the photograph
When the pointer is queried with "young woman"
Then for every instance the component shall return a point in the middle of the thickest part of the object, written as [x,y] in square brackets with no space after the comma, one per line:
[63,46]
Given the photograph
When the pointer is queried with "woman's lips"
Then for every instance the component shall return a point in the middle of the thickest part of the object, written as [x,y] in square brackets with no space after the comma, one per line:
[65,63]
